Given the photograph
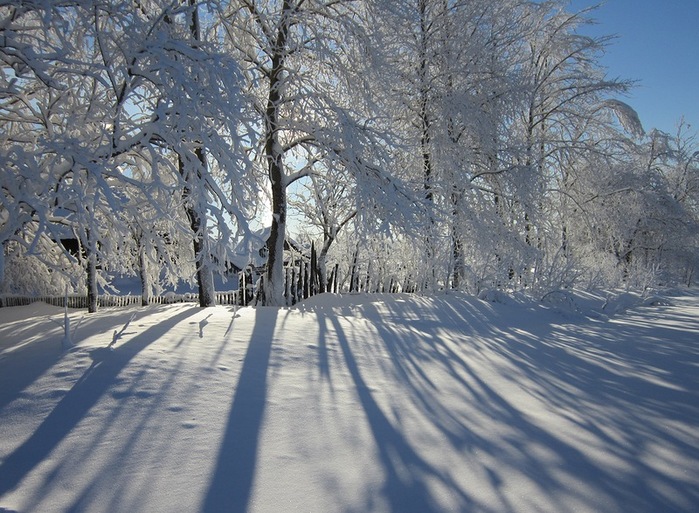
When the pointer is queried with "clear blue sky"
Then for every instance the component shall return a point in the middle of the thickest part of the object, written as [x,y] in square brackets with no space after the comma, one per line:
[658,45]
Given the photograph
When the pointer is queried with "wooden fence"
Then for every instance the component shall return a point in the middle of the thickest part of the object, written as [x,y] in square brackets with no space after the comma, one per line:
[108,300]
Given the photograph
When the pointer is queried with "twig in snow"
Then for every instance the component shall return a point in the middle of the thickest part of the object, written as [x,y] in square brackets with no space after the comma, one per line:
[235,314]
[68,334]
[117,334]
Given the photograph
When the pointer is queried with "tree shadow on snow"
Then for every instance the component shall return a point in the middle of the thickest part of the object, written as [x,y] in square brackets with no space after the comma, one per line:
[407,473]
[73,407]
[232,482]
[619,396]
[24,365]
[21,367]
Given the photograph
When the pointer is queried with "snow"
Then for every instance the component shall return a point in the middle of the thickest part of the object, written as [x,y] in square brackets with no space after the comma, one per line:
[354,403]
[627,116]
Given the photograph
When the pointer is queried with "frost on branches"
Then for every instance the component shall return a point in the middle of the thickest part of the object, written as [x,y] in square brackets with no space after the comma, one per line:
[150,135]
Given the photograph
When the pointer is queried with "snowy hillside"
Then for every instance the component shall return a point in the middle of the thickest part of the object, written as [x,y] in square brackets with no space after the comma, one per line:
[402,404]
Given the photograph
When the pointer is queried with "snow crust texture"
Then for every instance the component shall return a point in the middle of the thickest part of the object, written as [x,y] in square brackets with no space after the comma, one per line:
[349,404]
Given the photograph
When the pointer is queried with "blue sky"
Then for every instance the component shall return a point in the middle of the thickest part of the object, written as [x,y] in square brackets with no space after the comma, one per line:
[658,45]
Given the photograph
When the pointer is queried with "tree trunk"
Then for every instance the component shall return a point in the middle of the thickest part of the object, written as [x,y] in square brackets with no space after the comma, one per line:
[145,278]
[92,294]
[274,282]
[426,140]
[325,283]
[274,286]
[314,270]
[207,289]
[2,274]
[197,221]
[458,259]
[457,248]
[354,275]
[205,279]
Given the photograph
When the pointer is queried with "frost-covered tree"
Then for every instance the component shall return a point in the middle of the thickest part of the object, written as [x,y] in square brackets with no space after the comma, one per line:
[300,58]
[93,89]
[642,211]
[159,249]
[481,138]
[327,201]
[552,123]
[452,94]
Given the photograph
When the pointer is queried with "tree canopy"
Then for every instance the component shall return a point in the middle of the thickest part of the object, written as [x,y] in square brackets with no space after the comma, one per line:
[424,145]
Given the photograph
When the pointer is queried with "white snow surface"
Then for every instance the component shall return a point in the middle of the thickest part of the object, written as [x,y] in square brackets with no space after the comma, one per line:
[353,403]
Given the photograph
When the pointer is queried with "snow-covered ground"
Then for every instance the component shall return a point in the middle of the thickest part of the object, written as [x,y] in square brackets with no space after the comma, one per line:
[354,404]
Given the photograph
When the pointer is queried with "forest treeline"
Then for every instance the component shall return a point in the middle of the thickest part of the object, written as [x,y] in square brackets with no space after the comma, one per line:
[434,144]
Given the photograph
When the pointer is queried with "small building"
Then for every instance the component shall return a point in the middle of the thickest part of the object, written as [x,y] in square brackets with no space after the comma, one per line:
[249,259]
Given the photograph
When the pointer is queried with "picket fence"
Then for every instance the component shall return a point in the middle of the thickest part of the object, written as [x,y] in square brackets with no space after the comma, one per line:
[108,300]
